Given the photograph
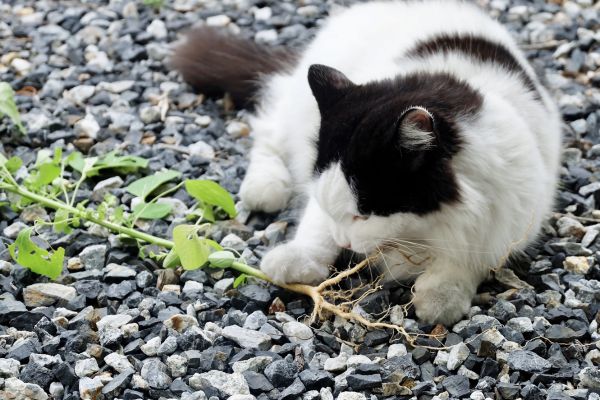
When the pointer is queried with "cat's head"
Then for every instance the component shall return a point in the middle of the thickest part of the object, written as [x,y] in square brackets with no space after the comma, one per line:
[384,151]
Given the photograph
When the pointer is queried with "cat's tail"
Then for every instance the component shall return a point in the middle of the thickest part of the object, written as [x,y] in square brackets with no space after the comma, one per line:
[215,62]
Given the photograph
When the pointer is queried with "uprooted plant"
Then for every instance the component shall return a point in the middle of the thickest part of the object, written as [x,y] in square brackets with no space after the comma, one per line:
[44,184]
[54,182]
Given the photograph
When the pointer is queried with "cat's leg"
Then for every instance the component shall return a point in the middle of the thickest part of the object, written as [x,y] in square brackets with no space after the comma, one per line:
[267,185]
[443,293]
[304,259]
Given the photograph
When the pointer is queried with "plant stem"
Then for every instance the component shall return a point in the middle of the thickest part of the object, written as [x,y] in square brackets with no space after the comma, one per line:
[248,270]
[145,237]
[57,205]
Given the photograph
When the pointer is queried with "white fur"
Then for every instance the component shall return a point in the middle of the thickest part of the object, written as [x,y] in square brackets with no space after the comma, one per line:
[506,172]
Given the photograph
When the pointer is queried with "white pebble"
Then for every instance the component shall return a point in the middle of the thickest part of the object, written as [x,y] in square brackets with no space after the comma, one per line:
[218,20]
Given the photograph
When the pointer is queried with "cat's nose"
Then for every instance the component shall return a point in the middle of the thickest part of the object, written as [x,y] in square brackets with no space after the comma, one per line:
[347,246]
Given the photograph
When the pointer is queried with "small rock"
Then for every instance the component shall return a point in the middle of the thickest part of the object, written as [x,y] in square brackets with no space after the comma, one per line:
[256,364]
[19,390]
[180,322]
[151,347]
[363,382]
[527,361]
[86,367]
[46,294]
[218,20]
[202,149]
[150,114]
[169,346]
[520,324]
[457,385]
[337,364]
[577,264]
[21,66]
[90,389]
[227,384]
[118,362]
[458,354]
[93,256]
[237,129]
[79,94]
[293,391]
[87,127]
[56,390]
[155,373]
[113,321]
[396,350]
[9,367]
[158,29]
[247,338]
[177,365]
[255,320]
[570,227]
[232,241]
[316,379]
[351,396]
[281,373]
[590,377]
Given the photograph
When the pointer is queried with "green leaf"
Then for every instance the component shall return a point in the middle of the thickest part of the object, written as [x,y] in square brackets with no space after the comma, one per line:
[240,280]
[209,192]
[92,166]
[76,161]
[118,216]
[8,107]
[45,174]
[171,260]
[61,221]
[221,259]
[25,252]
[143,187]
[191,249]
[123,164]
[151,210]
[208,213]
[13,164]
[154,3]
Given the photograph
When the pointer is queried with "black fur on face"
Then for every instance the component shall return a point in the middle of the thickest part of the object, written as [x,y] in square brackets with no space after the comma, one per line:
[394,139]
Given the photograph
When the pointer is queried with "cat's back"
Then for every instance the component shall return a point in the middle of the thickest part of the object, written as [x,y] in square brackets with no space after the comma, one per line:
[366,40]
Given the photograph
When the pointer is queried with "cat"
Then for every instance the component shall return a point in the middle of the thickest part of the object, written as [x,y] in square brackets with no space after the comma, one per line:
[416,129]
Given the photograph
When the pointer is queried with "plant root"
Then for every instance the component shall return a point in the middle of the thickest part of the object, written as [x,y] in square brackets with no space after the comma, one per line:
[329,301]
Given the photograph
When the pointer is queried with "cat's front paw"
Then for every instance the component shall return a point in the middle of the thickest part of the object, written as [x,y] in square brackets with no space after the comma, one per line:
[266,190]
[441,305]
[292,263]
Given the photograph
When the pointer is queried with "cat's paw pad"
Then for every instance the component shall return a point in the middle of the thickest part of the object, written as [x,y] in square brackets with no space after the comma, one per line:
[441,305]
[267,191]
[291,263]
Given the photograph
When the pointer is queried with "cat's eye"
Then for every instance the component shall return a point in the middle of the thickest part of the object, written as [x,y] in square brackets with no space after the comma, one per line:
[358,218]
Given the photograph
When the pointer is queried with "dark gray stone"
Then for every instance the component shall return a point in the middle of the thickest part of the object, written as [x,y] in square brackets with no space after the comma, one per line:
[457,385]
[281,373]
[527,361]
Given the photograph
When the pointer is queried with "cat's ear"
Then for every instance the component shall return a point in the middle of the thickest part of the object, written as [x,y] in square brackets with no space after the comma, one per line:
[327,84]
[416,129]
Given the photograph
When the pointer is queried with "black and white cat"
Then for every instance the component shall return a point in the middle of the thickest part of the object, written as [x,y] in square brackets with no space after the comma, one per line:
[412,127]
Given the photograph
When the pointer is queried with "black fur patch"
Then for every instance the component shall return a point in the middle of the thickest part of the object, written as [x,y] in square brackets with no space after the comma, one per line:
[360,130]
[479,48]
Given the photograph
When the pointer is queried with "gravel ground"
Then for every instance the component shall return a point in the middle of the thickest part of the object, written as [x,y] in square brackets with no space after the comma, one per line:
[92,76]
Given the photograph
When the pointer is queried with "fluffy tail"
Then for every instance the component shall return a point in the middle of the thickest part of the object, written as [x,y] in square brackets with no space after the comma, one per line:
[214,62]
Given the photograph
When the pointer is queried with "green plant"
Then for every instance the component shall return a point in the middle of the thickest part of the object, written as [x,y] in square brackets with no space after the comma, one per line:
[8,107]
[154,3]
[46,185]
